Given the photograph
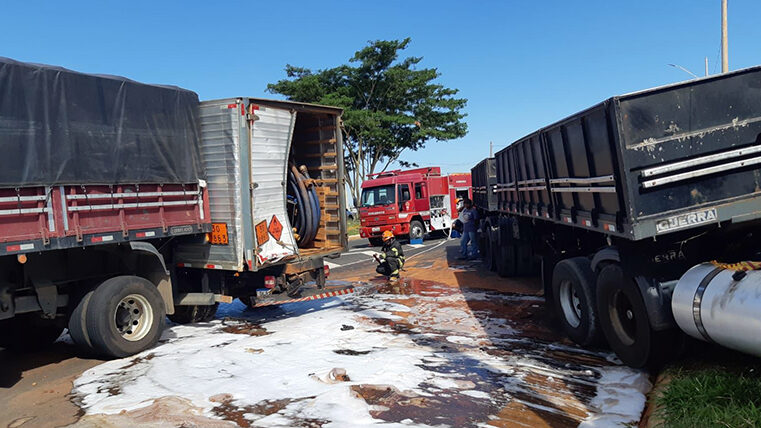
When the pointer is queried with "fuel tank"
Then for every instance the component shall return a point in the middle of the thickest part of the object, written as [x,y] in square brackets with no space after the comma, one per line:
[720,305]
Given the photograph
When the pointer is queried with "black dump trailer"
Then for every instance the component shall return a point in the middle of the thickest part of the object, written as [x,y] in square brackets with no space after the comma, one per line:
[614,204]
[484,178]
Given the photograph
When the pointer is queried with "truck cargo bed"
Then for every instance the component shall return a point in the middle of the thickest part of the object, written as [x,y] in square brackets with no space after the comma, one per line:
[34,219]
[248,145]
[484,176]
[644,164]
[93,159]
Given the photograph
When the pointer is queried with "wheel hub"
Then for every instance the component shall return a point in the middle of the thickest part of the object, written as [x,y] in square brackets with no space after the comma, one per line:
[570,303]
[623,318]
[133,317]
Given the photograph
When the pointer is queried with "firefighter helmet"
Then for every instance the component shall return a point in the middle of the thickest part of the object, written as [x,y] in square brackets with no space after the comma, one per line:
[387,235]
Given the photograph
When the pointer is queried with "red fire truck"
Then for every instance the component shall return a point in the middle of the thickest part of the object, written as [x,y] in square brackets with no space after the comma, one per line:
[409,203]
[460,187]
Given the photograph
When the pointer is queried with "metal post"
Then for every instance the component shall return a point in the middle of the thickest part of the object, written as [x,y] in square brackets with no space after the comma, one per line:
[491,149]
[724,43]
[706,66]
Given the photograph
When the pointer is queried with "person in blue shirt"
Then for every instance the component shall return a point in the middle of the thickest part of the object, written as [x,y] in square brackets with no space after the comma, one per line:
[468,218]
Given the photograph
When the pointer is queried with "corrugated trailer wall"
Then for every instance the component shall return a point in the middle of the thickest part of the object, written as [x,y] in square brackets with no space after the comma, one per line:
[645,163]
[484,176]
[580,158]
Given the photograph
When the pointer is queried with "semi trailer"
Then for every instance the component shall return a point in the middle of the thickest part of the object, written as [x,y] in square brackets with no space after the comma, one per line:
[642,214]
[123,202]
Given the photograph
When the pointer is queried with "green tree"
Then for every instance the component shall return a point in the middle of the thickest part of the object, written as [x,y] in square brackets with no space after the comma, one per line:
[389,105]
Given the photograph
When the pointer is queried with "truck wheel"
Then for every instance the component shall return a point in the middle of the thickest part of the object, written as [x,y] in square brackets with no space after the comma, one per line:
[524,265]
[417,230]
[125,315]
[78,325]
[505,256]
[624,321]
[193,313]
[28,332]
[375,242]
[573,289]
[486,249]
[547,265]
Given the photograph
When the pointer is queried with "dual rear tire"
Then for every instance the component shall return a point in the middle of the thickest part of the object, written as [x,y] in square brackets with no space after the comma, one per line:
[574,291]
[122,316]
[609,306]
[626,325]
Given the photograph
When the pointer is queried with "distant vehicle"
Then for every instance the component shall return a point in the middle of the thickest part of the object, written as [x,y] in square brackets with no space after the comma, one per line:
[409,203]
[642,215]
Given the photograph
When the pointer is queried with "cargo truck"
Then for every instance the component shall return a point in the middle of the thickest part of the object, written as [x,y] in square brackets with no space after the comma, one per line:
[642,214]
[122,202]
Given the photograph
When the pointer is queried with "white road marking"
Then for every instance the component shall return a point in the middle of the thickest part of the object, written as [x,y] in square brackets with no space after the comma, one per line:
[416,245]
[331,265]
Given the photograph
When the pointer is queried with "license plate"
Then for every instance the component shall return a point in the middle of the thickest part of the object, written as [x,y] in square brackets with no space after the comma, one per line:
[376,229]
[219,234]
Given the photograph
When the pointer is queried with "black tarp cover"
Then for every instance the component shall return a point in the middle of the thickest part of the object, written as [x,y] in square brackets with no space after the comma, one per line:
[59,126]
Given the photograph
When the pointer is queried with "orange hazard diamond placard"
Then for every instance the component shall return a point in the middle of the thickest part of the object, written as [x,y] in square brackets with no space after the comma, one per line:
[276,228]
[261,233]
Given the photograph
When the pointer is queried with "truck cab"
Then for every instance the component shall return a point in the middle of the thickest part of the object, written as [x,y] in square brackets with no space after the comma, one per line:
[408,203]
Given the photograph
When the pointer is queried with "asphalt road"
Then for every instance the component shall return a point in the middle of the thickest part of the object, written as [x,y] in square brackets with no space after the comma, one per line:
[459,345]
[360,252]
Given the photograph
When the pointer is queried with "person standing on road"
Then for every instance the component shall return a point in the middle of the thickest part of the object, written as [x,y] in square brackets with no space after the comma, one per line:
[468,217]
[391,258]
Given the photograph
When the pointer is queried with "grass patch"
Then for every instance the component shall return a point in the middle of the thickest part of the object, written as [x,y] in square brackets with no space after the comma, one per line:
[728,396]
[352,227]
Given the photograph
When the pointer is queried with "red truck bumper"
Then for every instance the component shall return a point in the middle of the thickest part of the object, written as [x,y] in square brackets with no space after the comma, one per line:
[377,231]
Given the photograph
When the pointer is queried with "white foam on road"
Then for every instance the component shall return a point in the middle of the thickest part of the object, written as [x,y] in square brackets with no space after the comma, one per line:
[295,360]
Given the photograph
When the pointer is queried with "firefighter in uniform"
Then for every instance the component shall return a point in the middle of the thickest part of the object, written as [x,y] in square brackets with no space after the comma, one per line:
[391,258]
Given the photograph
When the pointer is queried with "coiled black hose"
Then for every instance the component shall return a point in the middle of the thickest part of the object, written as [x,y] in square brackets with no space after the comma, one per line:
[305,210]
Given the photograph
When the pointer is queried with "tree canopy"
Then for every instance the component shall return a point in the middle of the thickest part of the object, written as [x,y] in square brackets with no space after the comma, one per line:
[389,105]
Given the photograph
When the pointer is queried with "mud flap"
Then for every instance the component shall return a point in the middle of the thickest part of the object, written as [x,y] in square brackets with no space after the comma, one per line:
[264,297]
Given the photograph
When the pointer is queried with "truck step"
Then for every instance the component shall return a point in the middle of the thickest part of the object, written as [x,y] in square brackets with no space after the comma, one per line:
[306,295]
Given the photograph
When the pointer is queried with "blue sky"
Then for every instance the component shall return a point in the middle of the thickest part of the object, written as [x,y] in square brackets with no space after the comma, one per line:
[521,64]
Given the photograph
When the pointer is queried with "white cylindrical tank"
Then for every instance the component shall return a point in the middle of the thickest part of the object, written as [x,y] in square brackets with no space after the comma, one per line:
[720,305]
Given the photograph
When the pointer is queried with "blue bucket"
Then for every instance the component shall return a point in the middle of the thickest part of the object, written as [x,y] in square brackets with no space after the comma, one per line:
[416,241]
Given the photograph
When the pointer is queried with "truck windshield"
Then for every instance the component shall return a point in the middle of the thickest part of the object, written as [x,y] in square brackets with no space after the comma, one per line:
[381,195]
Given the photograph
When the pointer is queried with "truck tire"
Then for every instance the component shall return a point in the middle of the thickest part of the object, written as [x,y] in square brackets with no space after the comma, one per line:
[78,323]
[524,265]
[29,332]
[573,289]
[125,315]
[624,321]
[547,265]
[193,313]
[505,259]
[375,242]
[417,230]
[486,249]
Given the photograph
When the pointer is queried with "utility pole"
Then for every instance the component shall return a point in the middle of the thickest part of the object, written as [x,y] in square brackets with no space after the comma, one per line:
[724,48]
[491,149]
